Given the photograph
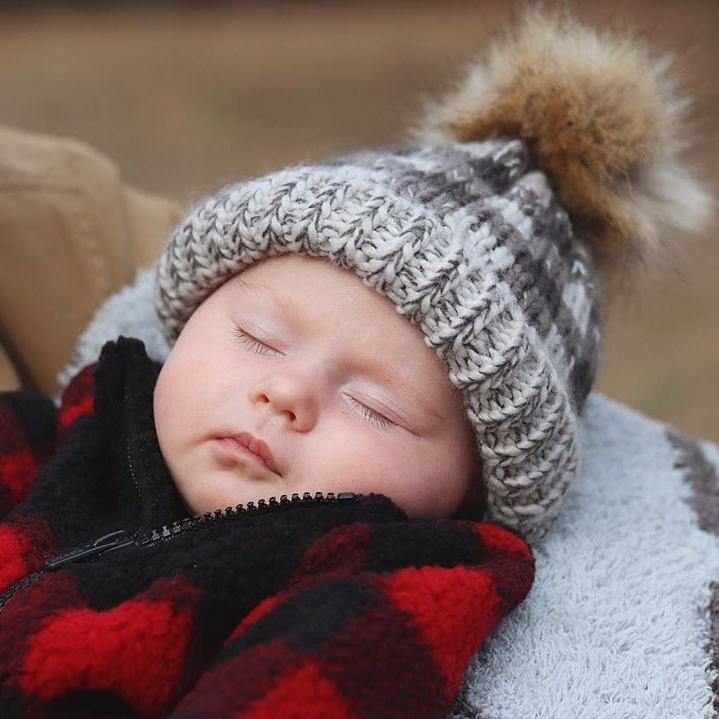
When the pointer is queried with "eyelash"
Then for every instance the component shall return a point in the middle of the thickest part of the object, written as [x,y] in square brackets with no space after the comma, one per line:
[256,346]
[372,416]
[250,341]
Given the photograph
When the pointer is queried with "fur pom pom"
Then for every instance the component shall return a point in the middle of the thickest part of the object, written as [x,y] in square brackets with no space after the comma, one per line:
[602,118]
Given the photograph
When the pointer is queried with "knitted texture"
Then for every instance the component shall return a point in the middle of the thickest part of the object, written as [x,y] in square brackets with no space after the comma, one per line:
[470,245]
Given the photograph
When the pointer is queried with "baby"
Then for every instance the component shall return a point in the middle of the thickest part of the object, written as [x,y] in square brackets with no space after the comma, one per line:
[319,503]
[345,395]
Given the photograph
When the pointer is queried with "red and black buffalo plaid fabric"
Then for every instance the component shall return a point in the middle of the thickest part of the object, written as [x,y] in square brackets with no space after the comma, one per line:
[115,603]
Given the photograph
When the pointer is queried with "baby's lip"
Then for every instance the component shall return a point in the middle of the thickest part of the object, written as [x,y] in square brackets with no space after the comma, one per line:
[256,446]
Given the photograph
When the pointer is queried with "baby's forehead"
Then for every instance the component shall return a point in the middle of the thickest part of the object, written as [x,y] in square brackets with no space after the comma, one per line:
[319,297]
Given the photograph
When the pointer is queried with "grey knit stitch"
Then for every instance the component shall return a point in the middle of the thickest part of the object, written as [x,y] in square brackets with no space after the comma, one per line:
[469,243]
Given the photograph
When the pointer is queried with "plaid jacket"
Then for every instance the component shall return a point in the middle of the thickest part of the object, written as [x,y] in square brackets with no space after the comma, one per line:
[114,603]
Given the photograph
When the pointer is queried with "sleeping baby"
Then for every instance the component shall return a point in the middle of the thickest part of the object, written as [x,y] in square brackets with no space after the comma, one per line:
[319,503]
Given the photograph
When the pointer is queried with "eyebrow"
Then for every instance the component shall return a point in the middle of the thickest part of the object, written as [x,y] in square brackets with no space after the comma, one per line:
[286,308]
[282,303]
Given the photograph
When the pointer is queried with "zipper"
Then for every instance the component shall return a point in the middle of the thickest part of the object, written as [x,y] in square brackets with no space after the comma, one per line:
[131,466]
[123,538]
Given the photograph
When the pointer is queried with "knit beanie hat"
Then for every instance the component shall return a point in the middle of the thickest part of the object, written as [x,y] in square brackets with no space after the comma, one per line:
[546,173]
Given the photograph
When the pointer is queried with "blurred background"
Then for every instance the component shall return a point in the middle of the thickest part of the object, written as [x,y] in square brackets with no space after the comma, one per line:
[186,97]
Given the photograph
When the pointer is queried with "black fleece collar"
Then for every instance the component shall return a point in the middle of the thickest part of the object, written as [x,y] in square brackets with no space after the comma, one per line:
[124,385]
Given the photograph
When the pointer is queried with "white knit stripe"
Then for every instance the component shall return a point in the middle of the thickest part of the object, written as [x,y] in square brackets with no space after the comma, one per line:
[574,295]
[517,467]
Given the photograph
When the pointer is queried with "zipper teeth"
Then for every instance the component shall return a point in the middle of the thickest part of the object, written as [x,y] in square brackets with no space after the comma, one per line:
[131,465]
[251,507]
[18,585]
[172,530]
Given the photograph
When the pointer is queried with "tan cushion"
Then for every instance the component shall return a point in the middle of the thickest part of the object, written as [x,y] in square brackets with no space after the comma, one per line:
[71,234]
[9,378]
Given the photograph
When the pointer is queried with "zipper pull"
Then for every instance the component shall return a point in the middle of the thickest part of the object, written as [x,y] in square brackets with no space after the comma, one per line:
[113,540]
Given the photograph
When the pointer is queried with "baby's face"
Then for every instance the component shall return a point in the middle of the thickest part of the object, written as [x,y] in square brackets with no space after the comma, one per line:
[299,353]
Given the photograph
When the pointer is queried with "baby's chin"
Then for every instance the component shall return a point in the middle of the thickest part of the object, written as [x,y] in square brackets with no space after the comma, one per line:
[208,479]
[226,492]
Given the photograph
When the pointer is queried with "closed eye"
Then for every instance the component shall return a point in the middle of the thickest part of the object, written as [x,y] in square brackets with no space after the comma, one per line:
[251,342]
[372,416]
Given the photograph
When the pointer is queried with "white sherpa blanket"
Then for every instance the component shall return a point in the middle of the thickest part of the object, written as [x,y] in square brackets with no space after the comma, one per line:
[623,618]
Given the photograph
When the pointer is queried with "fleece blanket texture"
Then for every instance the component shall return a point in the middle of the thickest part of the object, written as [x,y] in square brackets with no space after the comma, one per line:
[623,618]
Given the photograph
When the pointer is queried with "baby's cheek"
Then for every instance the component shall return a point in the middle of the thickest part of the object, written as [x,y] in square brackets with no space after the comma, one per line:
[180,406]
[347,459]
[394,469]
[162,409]
[425,481]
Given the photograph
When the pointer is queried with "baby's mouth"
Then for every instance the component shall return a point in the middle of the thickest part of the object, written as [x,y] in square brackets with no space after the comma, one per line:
[232,448]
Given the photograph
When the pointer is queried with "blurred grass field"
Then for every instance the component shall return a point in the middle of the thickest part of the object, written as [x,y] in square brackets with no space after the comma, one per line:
[186,100]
